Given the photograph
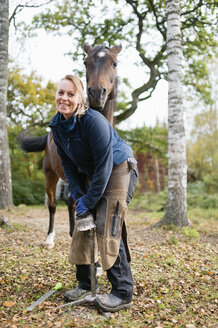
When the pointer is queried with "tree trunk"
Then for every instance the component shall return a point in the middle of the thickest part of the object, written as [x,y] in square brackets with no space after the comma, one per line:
[176,208]
[5,167]
[157,175]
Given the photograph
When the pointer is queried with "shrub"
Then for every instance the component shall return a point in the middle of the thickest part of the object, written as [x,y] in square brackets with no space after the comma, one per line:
[28,192]
[190,232]
[199,197]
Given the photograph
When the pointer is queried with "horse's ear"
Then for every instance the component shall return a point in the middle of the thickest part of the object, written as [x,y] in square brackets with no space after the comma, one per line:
[116,49]
[87,48]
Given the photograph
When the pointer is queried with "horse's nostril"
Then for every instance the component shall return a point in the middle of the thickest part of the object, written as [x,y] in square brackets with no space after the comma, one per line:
[97,92]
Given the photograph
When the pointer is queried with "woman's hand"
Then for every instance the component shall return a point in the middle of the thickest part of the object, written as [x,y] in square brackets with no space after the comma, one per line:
[76,194]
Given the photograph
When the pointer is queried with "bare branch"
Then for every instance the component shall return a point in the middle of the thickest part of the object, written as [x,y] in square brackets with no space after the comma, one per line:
[158,24]
[200,4]
[19,8]
[151,84]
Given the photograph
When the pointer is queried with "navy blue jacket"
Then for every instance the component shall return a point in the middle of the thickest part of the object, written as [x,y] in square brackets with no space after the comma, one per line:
[90,146]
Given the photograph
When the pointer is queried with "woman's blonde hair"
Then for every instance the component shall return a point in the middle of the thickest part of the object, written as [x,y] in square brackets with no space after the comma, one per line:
[82,107]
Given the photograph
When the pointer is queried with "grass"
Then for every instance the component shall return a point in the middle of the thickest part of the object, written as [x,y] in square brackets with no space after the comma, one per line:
[174,271]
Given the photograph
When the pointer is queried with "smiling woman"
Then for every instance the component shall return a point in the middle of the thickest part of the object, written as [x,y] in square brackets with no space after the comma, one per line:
[68,98]
[102,174]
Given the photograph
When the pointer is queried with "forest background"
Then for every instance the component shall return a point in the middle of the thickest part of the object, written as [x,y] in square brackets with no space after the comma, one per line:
[64,27]
[174,268]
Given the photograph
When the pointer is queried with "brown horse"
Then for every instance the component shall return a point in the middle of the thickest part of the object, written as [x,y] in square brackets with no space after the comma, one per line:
[101,78]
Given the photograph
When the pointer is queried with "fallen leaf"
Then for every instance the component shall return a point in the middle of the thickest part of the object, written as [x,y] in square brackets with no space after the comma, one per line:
[8,303]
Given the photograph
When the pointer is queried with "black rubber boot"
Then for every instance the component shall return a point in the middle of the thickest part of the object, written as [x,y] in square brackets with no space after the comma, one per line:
[111,303]
[75,294]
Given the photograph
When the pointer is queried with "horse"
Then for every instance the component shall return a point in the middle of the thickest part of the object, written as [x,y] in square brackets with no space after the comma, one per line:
[101,80]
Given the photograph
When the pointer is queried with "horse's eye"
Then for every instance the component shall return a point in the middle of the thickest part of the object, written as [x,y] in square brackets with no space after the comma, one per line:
[85,63]
[114,65]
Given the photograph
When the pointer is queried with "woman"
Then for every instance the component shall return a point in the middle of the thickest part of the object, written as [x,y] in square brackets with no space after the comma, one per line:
[102,175]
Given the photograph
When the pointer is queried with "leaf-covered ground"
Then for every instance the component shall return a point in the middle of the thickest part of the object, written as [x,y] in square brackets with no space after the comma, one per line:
[174,272]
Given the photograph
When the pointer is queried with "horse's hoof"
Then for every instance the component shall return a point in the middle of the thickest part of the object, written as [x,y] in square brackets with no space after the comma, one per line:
[49,243]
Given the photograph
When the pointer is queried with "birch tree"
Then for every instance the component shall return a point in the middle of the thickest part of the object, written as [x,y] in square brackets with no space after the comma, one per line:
[5,167]
[176,209]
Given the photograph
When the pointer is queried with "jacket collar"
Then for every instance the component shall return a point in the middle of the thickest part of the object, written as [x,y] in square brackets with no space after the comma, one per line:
[59,120]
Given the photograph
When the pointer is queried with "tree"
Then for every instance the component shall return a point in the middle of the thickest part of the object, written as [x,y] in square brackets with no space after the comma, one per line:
[150,147]
[202,149]
[202,145]
[30,105]
[141,26]
[28,180]
[5,167]
[148,139]
[176,209]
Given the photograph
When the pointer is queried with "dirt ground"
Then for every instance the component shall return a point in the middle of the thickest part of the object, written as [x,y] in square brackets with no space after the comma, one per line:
[174,274]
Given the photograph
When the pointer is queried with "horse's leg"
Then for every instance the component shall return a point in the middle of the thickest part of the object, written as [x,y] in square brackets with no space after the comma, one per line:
[71,211]
[51,182]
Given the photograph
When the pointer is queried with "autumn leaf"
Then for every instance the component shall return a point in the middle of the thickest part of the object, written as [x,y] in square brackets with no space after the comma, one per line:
[8,303]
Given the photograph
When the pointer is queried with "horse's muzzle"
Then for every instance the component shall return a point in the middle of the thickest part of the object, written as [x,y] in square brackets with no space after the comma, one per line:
[97,97]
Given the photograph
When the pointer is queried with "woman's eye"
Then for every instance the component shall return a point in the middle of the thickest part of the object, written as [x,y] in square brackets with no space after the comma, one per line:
[60,93]
[71,94]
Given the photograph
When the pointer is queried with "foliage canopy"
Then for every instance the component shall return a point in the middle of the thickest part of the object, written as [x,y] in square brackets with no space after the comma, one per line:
[141,26]
[29,103]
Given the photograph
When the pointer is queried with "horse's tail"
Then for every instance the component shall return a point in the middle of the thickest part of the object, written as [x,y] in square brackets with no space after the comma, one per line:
[32,144]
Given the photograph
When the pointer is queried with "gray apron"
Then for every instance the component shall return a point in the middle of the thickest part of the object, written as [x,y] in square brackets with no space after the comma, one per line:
[110,223]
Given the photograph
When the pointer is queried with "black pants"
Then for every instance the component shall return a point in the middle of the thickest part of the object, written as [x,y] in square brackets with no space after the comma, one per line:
[119,274]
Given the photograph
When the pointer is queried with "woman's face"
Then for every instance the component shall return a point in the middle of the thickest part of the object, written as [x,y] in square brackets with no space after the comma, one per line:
[67,98]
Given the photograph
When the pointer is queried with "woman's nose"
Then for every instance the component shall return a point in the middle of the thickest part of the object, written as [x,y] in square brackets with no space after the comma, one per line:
[64,96]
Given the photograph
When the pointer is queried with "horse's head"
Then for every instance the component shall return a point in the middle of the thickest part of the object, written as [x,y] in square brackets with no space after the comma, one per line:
[101,62]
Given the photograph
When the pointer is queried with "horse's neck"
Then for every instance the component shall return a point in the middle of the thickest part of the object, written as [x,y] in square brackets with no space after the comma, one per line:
[108,110]
[110,105]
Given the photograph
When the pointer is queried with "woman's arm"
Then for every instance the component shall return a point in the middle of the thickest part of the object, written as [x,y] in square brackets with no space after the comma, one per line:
[99,135]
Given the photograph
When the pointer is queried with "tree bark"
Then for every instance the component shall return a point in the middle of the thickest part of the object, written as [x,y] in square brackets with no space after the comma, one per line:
[5,167]
[176,208]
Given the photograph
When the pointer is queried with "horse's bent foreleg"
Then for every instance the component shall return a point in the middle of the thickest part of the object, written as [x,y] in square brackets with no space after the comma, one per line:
[71,211]
[51,182]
